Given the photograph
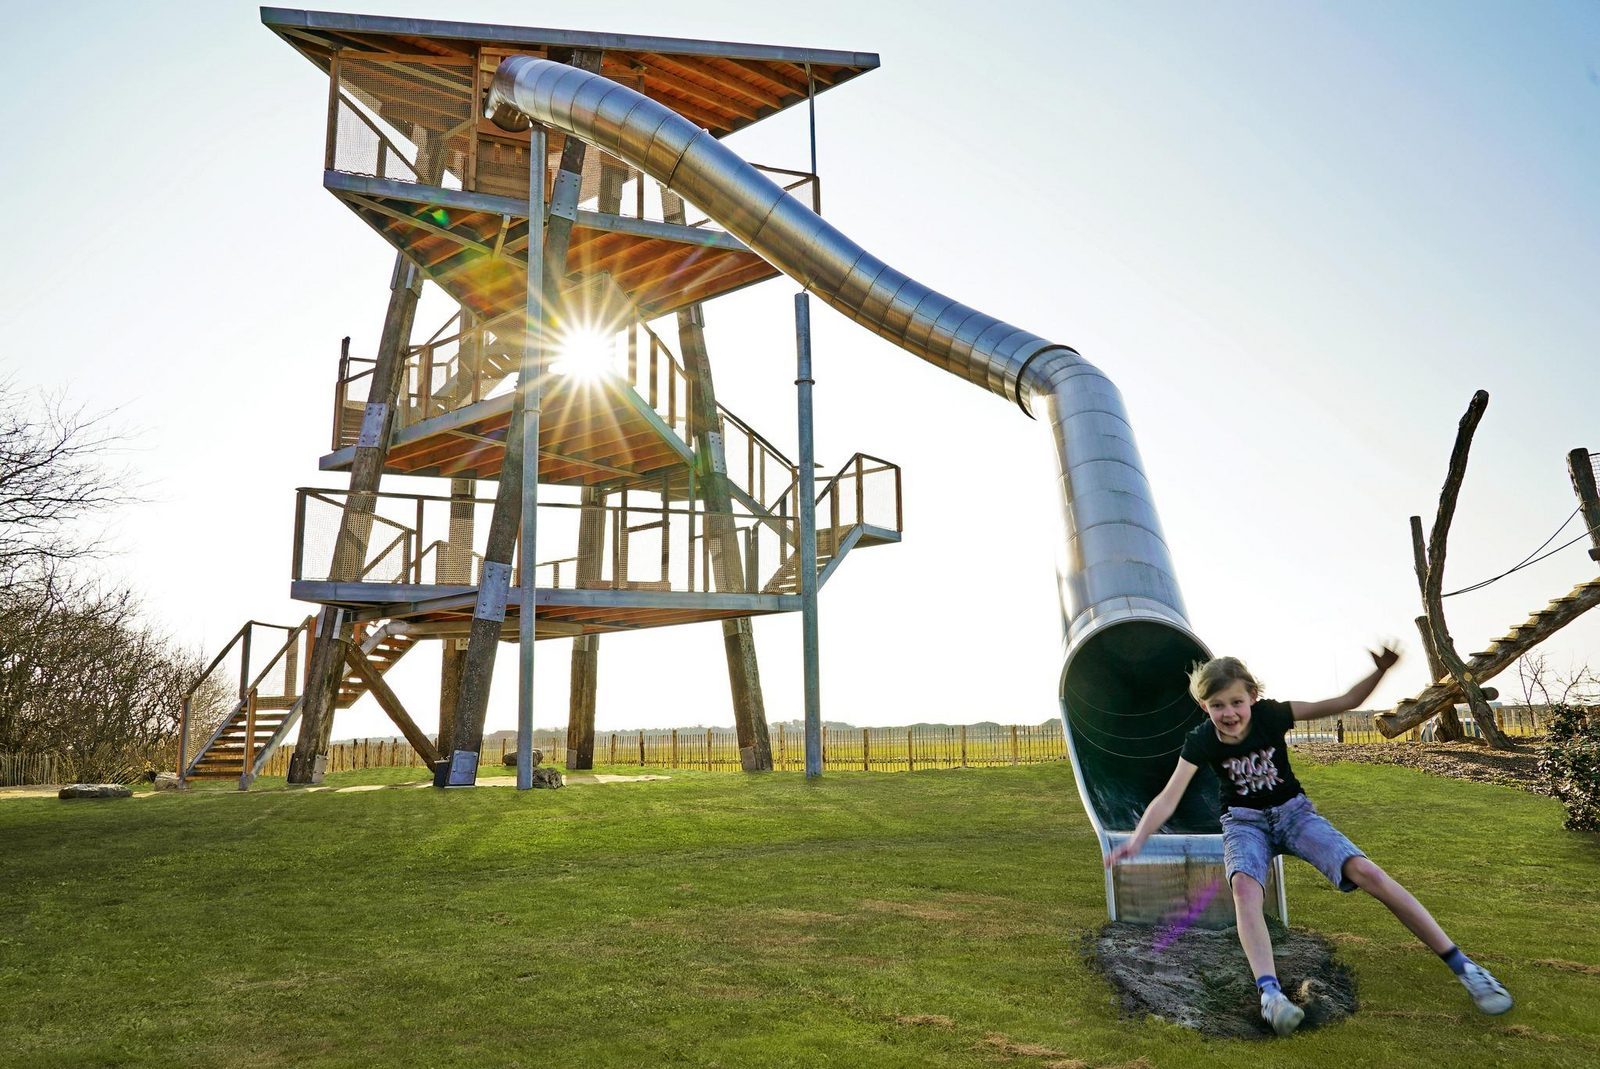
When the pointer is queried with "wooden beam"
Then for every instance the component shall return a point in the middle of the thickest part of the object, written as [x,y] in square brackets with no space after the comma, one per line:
[1581,470]
[422,223]
[663,72]
[1432,590]
[1449,726]
[390,703]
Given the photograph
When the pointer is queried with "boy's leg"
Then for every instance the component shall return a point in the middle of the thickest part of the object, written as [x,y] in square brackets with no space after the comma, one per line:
[1248,900]
[1488,994]
[1402,903]
[1248,856]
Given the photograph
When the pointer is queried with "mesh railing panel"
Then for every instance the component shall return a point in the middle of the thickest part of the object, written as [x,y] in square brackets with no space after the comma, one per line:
[404,118]
[637,542]
[756,467]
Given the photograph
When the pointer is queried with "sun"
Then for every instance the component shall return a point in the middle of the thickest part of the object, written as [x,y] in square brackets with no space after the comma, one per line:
[585,353]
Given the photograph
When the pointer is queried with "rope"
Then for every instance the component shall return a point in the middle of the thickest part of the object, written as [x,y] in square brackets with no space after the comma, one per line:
[1530,559]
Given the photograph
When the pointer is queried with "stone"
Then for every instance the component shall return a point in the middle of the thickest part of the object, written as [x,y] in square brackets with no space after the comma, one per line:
[1199,978]
[548,778]
[96,790]
[167,781]
[510,759]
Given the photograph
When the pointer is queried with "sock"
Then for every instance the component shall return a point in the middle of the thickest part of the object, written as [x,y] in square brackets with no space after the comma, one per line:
[1268,985]
[1457,961]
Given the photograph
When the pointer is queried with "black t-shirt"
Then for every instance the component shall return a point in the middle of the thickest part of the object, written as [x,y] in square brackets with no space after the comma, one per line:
[1253,772]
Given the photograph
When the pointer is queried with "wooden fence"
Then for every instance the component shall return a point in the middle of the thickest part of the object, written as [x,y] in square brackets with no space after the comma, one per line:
[717,749]
[17,769]
[843,749]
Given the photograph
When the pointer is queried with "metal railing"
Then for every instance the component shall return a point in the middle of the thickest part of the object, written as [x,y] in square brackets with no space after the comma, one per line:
[384,111]
[644,541]
[457,368]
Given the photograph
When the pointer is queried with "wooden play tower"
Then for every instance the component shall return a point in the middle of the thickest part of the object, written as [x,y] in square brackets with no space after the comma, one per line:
[655,504]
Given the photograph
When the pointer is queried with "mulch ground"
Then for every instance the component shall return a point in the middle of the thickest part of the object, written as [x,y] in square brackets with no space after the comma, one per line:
[1469,760]
[1202,980]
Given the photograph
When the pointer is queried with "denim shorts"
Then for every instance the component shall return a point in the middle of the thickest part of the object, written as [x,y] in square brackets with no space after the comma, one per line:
[1252,837]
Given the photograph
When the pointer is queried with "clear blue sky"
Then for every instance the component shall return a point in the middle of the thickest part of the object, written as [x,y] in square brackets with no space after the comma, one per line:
[1298,237]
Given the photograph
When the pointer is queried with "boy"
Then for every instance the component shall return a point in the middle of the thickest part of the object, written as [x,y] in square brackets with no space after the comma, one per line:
[1264,813]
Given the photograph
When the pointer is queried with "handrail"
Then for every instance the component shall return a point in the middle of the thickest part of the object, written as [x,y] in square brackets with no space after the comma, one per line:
[637,535]
[246,686]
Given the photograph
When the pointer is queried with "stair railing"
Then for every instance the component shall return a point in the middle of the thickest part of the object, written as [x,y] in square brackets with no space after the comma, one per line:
[864,493]
[217,681]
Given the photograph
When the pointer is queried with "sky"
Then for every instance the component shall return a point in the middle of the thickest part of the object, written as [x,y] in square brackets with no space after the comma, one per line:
[1297,236]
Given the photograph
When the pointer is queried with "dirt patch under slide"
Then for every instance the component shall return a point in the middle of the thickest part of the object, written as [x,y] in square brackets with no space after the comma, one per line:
[1201,980]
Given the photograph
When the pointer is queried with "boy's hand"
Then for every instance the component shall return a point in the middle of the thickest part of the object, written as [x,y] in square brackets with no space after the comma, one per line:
[1124,850]
[1385,657]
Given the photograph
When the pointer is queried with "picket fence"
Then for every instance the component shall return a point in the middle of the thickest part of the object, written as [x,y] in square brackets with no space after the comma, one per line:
[717,749]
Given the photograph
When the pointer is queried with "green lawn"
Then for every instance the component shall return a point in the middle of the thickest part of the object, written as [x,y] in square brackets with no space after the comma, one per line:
[725,920]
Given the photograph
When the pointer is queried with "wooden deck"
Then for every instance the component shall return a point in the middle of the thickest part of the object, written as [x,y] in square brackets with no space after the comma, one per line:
[560,613]
[591,433]
[474,246]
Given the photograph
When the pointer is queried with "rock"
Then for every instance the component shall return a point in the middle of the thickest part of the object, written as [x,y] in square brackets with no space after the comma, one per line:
[1201,980]
[167,781]
[510,759]
[547,778]
[96,790]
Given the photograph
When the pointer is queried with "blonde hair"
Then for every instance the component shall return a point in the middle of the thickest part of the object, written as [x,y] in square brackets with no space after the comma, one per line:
[1214,675]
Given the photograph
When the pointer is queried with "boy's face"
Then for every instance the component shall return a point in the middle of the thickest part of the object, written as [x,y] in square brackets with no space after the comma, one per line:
[1229,710]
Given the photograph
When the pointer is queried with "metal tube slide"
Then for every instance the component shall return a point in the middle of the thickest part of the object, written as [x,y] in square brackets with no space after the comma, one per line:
[1128,644]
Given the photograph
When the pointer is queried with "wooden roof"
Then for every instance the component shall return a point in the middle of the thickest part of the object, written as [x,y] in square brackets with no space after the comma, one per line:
[720,85]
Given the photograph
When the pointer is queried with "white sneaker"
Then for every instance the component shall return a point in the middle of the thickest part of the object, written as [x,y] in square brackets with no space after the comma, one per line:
[1283,1015]
[1488,994]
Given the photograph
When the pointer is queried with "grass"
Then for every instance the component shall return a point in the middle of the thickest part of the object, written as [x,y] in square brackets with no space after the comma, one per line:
[931,919]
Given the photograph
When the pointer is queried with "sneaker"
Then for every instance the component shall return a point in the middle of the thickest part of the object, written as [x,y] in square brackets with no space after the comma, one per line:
[1284,1016]
[1488,994]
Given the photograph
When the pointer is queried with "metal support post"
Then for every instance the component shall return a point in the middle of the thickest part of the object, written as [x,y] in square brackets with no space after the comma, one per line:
[808,537]
[530,383]
[549,236]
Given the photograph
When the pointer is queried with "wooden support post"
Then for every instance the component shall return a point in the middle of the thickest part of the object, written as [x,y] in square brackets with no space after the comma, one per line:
[1581,470]
[390,703]
[585,674]
[326,663]
[1432,592]
[1449,726]
[473,701]
[722,536]
[455,569]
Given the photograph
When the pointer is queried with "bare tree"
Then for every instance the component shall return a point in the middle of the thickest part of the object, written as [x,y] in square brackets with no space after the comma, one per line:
[53,475]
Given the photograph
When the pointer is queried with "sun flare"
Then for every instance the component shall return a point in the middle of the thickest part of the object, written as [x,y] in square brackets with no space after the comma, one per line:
[585,353]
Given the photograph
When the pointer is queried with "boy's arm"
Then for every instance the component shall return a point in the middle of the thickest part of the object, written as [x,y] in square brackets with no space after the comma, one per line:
[1382,660]
[1161,809]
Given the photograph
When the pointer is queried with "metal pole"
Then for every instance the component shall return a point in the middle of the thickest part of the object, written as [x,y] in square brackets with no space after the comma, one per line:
[532,391]
[808,537]
[811,111]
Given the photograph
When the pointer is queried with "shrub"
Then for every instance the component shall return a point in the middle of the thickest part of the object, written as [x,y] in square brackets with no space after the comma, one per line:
[1571,764]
